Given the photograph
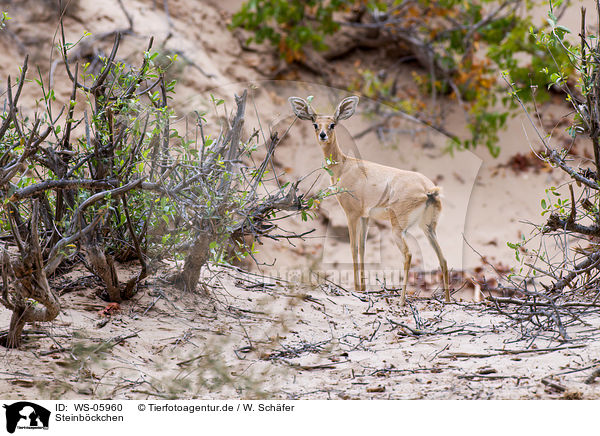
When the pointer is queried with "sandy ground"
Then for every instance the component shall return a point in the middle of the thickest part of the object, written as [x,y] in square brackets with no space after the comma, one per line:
[302,338]
[257,339]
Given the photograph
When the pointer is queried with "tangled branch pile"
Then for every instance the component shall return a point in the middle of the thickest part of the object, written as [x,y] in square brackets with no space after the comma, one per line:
[559,282]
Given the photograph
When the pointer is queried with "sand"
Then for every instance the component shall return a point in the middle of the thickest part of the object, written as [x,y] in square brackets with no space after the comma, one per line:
[298,337]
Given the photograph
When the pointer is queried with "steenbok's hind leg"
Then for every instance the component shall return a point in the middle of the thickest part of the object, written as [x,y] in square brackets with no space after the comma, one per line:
[429,230]
[401,243]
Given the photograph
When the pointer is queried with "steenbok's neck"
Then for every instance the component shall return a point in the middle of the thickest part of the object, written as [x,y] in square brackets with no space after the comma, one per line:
[333,154]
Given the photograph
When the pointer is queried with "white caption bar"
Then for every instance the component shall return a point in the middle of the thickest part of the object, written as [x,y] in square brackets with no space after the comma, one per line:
[306,418]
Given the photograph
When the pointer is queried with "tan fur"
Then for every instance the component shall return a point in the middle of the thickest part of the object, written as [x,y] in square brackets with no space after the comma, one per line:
[376,191]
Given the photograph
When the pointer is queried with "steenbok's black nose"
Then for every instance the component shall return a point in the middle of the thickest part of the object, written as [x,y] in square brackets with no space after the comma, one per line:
[323,135]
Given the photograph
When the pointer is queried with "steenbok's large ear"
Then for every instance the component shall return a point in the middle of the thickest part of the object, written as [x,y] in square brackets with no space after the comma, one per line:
[346,108]
[302,109]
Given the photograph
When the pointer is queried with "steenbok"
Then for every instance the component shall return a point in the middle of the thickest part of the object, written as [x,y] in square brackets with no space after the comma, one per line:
[369,190]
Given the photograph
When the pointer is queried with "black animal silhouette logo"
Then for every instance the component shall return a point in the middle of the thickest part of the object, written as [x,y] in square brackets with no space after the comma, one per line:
[27,415]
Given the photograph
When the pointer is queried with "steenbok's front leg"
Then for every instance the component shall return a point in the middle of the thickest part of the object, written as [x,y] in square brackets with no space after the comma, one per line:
[363,229]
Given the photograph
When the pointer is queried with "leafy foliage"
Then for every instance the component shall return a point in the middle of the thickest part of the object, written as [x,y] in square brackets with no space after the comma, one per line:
[461,45]
[290,25]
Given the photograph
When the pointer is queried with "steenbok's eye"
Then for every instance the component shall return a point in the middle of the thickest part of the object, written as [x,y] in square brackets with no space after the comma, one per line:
[315,126]
[331,126]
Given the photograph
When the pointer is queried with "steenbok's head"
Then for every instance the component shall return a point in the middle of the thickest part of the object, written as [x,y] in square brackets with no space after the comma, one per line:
[324,124]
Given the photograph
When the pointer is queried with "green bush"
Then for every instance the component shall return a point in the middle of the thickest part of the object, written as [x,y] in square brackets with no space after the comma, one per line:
[462,46]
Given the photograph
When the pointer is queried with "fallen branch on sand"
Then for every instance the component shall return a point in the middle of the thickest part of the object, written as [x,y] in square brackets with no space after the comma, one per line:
[454,354]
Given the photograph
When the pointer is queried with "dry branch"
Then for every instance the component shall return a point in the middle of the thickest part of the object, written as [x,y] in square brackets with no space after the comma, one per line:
[107,186]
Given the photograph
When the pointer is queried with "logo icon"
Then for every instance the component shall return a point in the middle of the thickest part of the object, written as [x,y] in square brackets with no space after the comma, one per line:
[26,415]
